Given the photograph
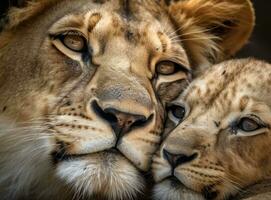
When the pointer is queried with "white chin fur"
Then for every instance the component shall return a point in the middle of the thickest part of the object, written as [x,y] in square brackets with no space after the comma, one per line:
[166,191]
[102,173]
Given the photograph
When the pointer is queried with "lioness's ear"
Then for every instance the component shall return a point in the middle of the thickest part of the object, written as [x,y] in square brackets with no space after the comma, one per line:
[212,30]
[22,10]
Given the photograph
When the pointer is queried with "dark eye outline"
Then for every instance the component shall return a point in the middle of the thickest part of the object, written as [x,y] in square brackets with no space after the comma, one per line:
[177,68]
[237,125]
[170,112]
[61,37]
[241,122]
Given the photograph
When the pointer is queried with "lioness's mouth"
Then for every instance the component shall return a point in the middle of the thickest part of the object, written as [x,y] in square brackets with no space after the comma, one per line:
[175,182]
[60,156]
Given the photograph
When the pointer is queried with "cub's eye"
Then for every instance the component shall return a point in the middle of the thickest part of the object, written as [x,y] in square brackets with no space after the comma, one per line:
[176,113]
[246,124]
[168,68]
[74,42]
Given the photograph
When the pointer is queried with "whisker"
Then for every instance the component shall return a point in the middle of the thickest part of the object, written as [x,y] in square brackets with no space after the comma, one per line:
[237,186]
[174,37]
[197,32]
[174,32]
[166,26]
[198,38]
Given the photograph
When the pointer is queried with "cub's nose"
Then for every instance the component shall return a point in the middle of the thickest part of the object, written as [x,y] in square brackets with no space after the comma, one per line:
[121,122]
[178,159]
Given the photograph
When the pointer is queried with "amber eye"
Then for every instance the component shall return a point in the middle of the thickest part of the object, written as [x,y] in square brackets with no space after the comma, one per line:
[246,124]
[74,42]
[166,68]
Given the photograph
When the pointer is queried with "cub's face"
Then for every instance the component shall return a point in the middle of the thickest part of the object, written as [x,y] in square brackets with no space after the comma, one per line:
[222,142]
[83,85]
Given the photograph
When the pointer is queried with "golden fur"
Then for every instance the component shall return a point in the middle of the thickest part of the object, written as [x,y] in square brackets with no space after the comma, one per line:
[226,127]
[81,97]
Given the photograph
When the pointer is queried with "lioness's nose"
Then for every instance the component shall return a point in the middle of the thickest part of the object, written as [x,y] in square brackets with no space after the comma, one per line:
[121,122]
[178,159]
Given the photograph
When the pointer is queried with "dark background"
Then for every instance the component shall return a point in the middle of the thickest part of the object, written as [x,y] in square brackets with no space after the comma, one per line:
[260,42]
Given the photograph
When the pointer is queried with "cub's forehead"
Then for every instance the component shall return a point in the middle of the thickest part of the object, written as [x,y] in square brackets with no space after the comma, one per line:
[230,80]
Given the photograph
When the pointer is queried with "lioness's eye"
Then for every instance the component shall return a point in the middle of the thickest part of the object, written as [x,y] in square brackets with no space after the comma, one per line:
[176,113]
[74,42]
[246,124]
[167,68]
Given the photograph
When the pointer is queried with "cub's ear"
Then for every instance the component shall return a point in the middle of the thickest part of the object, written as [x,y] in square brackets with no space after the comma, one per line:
[211,30]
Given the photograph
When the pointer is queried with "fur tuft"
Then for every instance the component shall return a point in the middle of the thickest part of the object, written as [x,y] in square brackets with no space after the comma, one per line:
[32,8]
[212,30]
[24,156]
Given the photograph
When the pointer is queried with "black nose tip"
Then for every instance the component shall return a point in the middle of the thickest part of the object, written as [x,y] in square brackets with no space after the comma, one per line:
[121,122]
[178,159]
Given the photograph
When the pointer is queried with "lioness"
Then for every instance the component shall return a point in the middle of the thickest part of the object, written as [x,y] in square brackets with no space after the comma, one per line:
[83,84]
[222,143]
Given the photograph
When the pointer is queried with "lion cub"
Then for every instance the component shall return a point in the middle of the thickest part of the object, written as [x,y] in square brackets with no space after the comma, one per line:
[223,141]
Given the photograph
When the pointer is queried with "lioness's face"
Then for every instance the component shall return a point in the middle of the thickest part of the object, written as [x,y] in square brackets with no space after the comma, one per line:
[223,142]
[100,77]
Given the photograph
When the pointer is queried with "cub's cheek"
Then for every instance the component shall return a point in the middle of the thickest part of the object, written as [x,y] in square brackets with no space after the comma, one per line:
[169,126]
[160,169]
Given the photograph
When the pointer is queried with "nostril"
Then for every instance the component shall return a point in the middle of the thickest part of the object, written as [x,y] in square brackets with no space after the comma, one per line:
[178,159]
[181,159]
[121,122]
[141,121]
[105,114]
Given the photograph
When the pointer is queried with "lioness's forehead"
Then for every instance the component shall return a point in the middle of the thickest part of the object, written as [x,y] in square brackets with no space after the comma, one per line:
[133,20]
[109,25]
[126,12]
[101,21]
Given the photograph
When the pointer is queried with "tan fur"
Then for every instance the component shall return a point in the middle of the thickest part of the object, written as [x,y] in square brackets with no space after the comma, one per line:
[54,100]
[32,9]
[228,159]
[192,16]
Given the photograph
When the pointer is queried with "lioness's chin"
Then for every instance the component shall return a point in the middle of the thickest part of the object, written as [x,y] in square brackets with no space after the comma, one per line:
[104,174]
[173,190]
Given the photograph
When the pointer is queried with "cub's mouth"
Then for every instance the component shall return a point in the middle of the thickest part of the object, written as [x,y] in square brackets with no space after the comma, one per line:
[171,188]
[176,184]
